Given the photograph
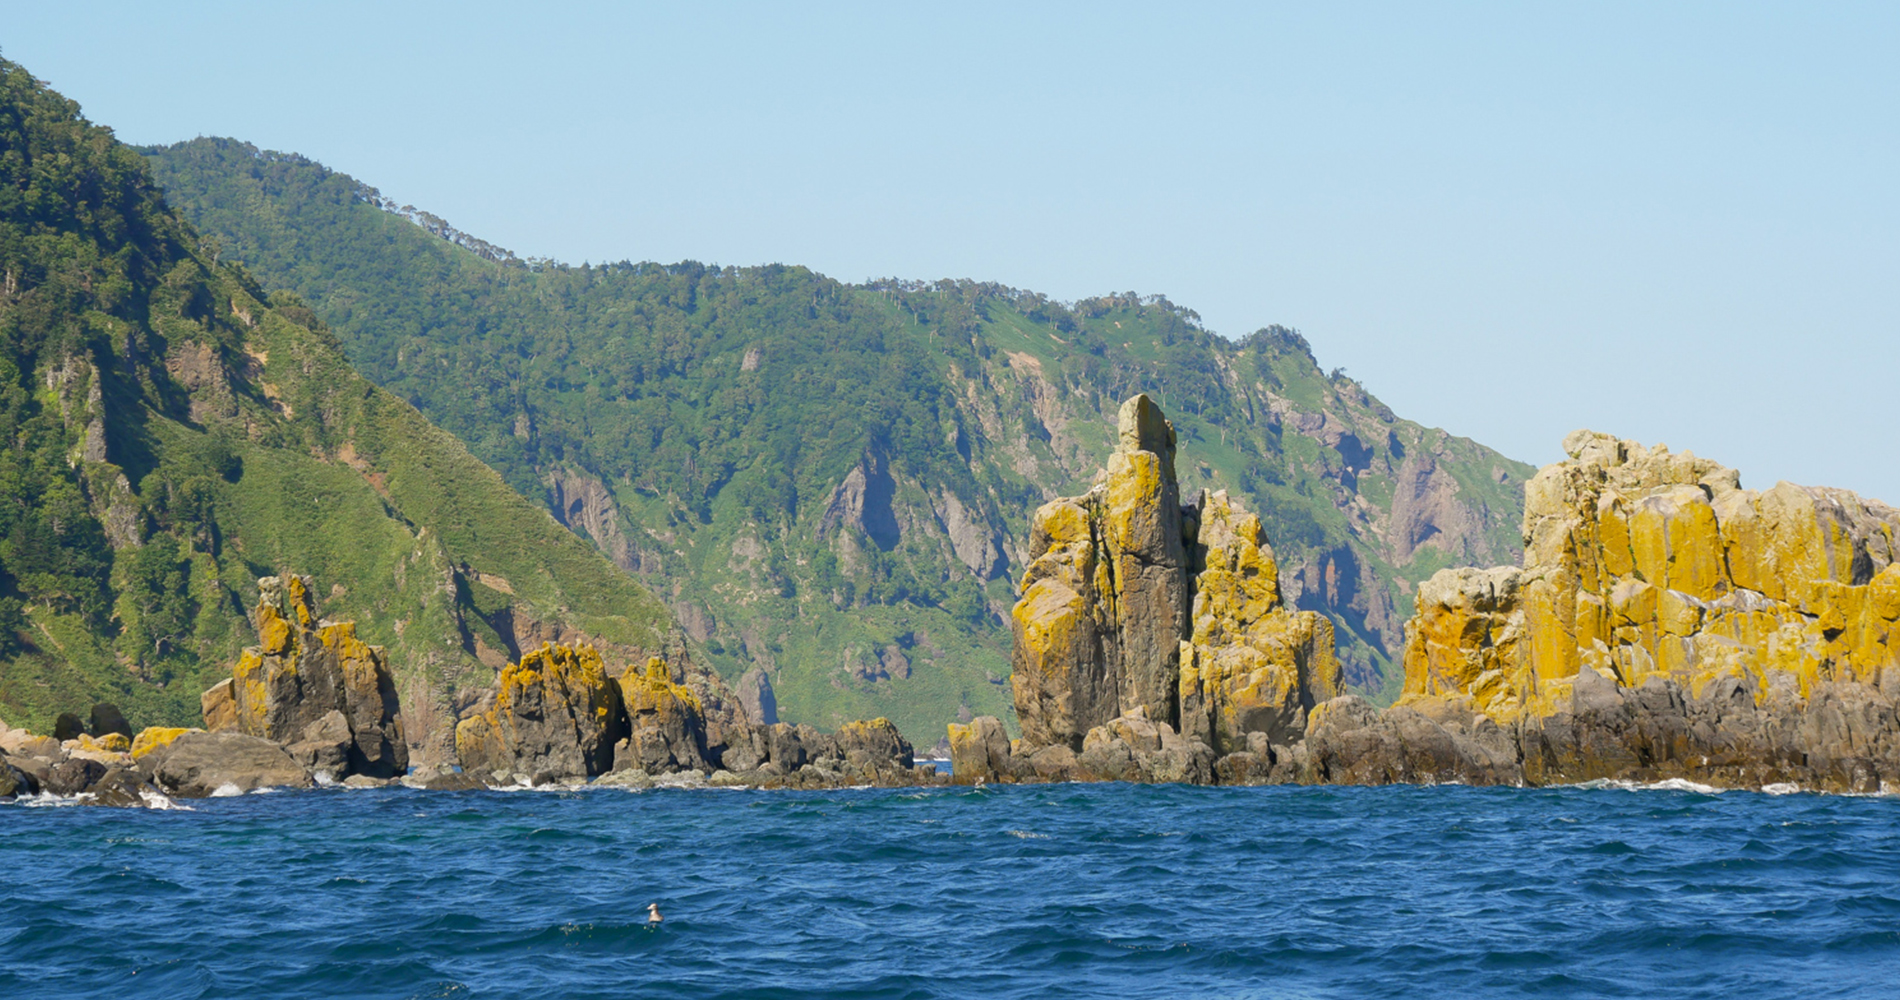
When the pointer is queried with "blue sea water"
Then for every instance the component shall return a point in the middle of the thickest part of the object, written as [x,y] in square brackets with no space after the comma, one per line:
[1051,891]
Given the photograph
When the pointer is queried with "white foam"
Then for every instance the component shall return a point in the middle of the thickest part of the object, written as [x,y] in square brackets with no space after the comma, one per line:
[1780,788]
[1666,785]
[227,790]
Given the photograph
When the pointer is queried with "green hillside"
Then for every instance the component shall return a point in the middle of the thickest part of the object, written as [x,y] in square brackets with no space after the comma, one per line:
[832,483]
[172,432]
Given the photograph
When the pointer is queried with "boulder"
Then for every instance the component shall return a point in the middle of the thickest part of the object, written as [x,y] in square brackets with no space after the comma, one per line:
[197,765]
[153,738]
[124,788]
[323,748]
[555,714]
[979,752]
[67,727]
[108,719]
[302,670]
[15,782]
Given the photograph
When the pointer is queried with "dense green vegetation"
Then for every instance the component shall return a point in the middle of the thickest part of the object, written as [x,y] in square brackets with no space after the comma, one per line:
[171,432]
[833,482]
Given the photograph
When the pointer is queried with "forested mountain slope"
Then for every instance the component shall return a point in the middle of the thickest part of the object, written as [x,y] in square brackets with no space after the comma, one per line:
[169,432]
[832,483]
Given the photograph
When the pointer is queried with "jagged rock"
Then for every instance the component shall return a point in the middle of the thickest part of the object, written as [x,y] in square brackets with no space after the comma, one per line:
[873,749]
[665,723]
[302,670]
[108,719]
[1667,622]
[1151,639]
[198,765]
[1105,598]
[1251,665]
[554,714]
[219,707]
[755,693]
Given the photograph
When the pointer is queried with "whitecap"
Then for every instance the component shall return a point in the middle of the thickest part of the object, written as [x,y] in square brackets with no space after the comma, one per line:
[227,790]
[1780,788]
[1028,835]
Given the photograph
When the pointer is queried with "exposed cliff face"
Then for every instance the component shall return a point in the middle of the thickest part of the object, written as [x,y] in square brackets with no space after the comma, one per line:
[1150,637]
[1667,621]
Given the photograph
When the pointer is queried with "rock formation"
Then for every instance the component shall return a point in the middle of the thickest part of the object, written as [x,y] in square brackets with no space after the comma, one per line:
[1667,622]
[313,686]
[554,715]
[559,717]
[1150,639]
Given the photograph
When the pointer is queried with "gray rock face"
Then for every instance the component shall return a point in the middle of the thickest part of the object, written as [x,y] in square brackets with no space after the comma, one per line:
[755,693]
[197,765]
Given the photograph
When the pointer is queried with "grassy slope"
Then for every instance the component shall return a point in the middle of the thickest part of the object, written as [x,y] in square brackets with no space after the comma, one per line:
[333,477]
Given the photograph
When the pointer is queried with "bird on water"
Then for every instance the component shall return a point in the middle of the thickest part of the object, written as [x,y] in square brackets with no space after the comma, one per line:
[653,914]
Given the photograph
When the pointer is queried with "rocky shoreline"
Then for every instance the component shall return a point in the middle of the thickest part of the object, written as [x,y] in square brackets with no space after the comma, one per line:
[1664,624]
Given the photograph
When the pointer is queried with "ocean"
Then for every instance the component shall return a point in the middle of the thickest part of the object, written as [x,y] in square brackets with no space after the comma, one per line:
[1019,891]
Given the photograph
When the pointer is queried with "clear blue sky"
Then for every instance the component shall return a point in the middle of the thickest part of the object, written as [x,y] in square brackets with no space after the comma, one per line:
[1677,222]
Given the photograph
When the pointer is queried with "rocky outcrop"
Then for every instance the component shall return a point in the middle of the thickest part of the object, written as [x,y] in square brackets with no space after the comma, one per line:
[312,680]
[665,723]
[1151,637]
[199,765]
[92,772]
[1668,623]
[554,715]
[558,717]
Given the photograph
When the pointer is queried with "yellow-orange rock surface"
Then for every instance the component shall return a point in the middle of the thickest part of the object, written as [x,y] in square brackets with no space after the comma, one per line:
[1645,565]
[302,669]
[556,713]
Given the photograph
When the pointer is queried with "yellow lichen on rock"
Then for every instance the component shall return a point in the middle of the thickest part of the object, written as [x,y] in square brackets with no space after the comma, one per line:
[157,738]
[555,711]
[1250,665]
[303,669]
[1643,564]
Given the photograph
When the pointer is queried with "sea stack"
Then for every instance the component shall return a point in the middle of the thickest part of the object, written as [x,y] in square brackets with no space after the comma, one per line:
[1150,638]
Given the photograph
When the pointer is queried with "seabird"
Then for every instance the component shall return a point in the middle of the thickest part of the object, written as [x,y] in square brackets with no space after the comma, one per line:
[653,913]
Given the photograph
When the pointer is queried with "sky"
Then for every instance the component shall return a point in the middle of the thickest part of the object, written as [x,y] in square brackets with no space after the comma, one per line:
[1676,222]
